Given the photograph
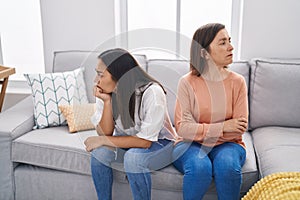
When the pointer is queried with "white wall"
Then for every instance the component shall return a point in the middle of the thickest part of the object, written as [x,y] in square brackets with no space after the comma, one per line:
[21,37]
[75,25]
[71,25]
[1,59]
[271,29]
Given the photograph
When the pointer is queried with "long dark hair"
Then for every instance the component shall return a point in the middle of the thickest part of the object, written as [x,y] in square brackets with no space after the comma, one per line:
[200,46]
[129,76]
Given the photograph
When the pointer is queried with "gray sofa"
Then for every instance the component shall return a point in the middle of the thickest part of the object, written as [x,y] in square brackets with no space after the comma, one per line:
[53,164]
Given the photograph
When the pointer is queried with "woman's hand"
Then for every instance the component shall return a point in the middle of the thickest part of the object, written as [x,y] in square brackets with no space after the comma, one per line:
[238,125]
[98,92]
[94,142]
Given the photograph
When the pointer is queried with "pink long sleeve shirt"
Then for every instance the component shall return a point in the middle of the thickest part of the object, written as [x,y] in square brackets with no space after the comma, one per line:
[202,106]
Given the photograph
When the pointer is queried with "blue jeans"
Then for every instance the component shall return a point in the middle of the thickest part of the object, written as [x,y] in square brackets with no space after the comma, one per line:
[138,163]
[200,164]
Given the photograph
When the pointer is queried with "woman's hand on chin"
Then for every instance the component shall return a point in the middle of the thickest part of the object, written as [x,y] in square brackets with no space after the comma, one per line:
[98,92]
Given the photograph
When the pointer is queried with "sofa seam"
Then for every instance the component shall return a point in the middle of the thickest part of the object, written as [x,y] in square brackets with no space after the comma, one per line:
[50,167]
[277,62]
[159,59]
[18,160]
[248,93]
[258,160]
[48,147]
[252,89]
[84,51]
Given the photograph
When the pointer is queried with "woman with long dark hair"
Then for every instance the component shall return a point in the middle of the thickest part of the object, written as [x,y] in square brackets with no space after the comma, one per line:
[134,120]
[211,115]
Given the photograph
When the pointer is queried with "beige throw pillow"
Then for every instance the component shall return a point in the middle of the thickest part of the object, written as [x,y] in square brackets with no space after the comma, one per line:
[78,116]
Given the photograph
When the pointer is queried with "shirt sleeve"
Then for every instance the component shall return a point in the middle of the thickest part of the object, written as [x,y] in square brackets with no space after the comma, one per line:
[153,108]
[186,119]
[95,119]
[240,106]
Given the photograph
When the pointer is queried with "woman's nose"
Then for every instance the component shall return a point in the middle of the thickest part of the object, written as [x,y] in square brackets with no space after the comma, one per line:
[230,47]
[97,79]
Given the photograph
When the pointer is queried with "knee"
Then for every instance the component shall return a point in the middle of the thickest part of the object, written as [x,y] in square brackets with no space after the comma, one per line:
[180,150]
[227,168]
[198,168]
[102,155]
[194,161]
[135,162]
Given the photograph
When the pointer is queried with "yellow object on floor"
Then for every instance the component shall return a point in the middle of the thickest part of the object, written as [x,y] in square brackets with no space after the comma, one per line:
[278,186]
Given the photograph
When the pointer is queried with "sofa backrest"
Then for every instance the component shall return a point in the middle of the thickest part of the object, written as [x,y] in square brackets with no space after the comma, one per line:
[168,73]
[275,93]
[242,68]
[70,60]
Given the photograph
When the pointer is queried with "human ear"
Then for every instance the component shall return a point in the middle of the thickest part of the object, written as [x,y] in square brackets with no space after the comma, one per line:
[204,54]
[116,86]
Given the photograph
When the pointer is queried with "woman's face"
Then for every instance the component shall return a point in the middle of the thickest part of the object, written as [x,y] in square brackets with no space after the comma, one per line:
[104,80]
[221,49]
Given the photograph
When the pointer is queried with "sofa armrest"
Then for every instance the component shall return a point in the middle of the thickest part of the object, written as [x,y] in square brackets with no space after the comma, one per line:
[14,122]
[17,120]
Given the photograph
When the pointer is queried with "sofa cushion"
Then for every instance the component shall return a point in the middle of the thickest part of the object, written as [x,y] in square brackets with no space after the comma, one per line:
[277,149]
[275,93]
[53,148]
[168,73]
[171,180]
[70,60]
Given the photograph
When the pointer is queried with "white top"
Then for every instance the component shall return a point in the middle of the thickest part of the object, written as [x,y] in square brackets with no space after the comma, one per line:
[153,123]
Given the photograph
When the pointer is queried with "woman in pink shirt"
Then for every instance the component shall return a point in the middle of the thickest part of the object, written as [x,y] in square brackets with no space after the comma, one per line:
[211,116]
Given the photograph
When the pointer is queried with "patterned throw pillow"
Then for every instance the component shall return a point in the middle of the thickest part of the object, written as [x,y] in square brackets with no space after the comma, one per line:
[54,89]
[78,116]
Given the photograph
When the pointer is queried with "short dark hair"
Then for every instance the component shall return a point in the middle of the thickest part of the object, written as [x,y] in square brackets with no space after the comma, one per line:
[201,40]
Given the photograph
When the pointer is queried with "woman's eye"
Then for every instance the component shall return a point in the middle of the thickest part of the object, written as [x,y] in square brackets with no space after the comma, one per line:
[100,74]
